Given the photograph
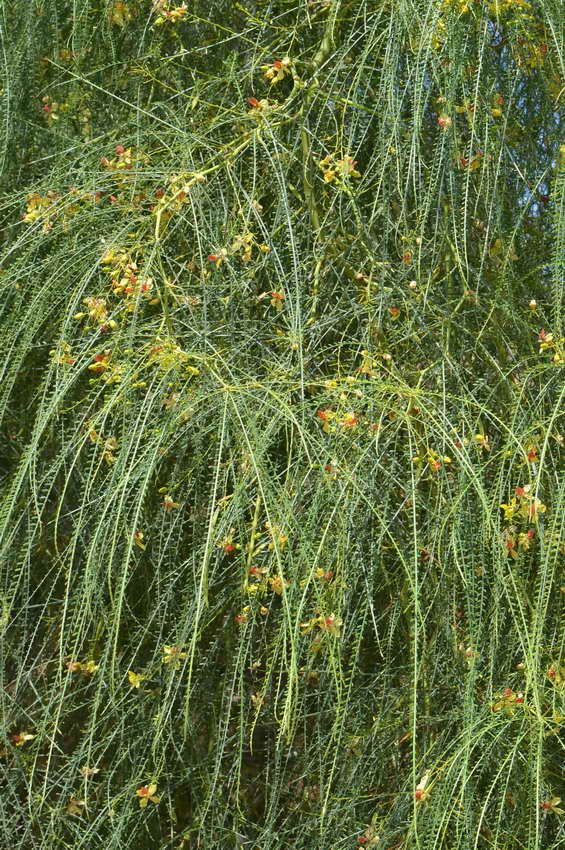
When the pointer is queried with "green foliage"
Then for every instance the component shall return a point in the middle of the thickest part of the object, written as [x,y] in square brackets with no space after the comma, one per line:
[282,329]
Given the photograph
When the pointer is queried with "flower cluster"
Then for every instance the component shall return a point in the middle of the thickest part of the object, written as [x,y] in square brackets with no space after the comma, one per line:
[434,460]
[227,543]
[523,504]
[42,208]
[260,108]
[338,170]
[277,70]
[62,354]
[330,418]
[167,13]
[108,444]
[276,299]
[87,668]
[120,13]
[265,582]
[330,624]
[556,347]
[513,541]
[507,701]
[97,314]
[109,371]
[242,247]
[51,109]
[167,354]
[127,280]
[173,199]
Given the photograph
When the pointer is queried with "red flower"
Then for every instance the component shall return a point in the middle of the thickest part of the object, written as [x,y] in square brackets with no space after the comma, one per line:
[253,101]
[213,257]
[120,149]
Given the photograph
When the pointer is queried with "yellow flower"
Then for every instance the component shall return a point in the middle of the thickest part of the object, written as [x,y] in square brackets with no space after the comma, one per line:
[75,806]
[278,584]
[173,654]
[482,442]
[552,805]
[20,738]
[135,679]
[147,793]
[89,771]
[421,794]
[276,72]
[168,503]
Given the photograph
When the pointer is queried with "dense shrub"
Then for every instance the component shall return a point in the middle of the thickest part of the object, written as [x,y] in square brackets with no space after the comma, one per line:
[282,424]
